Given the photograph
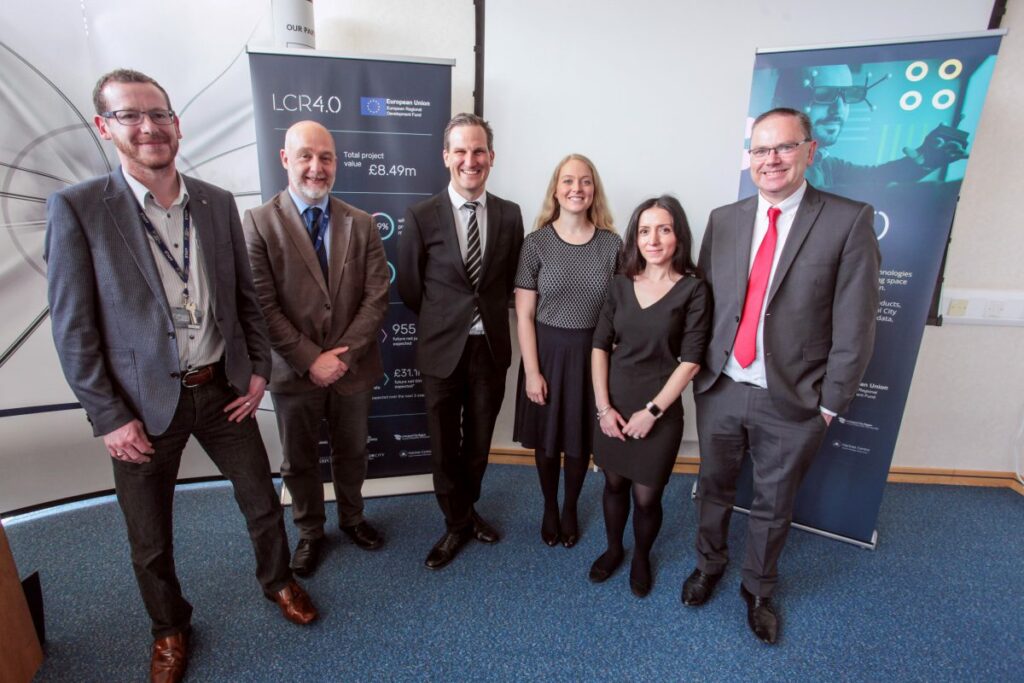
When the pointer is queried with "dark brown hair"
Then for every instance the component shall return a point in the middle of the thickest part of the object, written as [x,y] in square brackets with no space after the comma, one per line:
[682,262]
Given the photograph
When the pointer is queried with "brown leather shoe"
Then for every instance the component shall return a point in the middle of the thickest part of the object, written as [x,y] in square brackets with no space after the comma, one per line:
[170,657]
[295,604]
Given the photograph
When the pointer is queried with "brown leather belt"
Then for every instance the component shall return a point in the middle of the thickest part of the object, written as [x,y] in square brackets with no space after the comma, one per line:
[199,376]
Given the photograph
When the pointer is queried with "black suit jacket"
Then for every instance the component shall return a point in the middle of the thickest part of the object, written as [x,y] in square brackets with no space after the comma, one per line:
[819,327]
[111,321]
[432,281]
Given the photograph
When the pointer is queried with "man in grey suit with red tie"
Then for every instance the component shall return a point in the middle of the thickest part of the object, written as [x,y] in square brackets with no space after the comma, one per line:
[457,260]
[161,338]
[794,274]
[322,280]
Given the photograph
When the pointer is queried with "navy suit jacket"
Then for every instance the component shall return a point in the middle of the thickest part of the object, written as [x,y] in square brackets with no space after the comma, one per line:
[112,323]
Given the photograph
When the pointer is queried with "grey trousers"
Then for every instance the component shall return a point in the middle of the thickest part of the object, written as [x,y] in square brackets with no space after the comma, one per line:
[732,419]
[298,420]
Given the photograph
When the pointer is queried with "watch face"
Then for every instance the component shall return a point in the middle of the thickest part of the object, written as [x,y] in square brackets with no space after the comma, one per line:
[653,409]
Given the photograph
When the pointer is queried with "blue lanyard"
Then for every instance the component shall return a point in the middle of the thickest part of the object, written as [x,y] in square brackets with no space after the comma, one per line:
[181,270]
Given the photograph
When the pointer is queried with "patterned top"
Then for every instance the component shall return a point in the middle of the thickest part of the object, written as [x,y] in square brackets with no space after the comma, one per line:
[570,279]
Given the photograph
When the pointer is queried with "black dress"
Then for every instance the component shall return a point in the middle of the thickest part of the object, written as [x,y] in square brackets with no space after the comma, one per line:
[646,345]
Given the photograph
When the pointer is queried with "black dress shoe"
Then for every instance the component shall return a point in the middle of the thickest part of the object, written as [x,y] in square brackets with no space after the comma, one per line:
[698,587]
[306,556]
[364,535]
[484,532]
[445,550]
[604,567]
[761,617]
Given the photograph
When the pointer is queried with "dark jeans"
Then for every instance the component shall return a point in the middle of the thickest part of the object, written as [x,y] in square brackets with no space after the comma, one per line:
[298,421]
[461,411]
[146,495]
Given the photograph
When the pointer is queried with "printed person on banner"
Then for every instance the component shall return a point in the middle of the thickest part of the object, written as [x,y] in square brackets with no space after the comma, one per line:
[825,94]
[457,263]
[322,280]
[794,277]
[161,338]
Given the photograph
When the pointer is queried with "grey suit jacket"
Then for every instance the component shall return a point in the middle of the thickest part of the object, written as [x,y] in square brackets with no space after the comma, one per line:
[306,315]
[111,321]
[432,281]
[819,327]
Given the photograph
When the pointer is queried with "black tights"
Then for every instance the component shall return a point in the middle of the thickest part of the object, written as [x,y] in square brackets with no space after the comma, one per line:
[548,471]
[647,516]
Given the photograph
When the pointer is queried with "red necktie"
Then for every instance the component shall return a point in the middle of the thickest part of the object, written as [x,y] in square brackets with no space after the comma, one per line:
[745,348]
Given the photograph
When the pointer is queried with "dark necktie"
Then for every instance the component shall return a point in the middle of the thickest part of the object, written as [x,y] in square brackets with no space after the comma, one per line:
[745,348]
[473,260]
[312,217]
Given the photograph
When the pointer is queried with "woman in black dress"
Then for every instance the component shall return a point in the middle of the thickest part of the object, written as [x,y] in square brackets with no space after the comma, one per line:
[648,345]
[565,266]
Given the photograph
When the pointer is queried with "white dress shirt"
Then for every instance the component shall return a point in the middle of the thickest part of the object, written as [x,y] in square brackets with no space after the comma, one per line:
[461,212]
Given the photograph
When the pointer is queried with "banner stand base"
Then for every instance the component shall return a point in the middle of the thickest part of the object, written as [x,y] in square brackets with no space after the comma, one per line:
[384,486]
[820,532]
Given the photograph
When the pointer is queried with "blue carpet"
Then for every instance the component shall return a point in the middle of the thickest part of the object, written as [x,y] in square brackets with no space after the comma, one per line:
[941,599]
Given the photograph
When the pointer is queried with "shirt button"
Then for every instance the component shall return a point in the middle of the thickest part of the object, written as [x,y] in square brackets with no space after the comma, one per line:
[327,306]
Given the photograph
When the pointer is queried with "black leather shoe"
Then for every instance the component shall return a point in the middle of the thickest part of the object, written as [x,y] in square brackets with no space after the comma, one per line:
[604,567]
[761,617]
[698,587]
[364,535]
[306,556]
[484,532]
[445,550]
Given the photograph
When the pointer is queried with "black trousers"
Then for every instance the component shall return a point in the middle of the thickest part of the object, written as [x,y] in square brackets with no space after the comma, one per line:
[145,493]
[298,421]
[732,419]
[461,411]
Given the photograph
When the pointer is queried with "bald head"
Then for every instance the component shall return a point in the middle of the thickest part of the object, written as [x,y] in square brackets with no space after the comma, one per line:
[310,160]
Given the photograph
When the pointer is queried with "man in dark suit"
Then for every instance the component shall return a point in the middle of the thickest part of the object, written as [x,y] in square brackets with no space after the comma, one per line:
[322,280]
[794,273]
[161,338]
[457,261]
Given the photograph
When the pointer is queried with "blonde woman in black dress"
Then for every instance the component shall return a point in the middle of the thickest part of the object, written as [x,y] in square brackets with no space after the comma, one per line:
[564,269]
[648,344]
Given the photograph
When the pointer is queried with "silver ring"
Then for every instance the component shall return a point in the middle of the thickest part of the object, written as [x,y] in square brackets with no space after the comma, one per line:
[247,404]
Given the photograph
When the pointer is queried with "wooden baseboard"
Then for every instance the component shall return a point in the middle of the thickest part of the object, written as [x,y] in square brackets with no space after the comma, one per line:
[901,475]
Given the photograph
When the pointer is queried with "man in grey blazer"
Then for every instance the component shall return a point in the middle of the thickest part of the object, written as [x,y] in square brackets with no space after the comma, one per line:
[457,261]
[322,280]
[794,274]
[160,336]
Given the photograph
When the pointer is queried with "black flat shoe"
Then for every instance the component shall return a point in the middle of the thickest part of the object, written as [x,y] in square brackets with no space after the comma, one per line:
[569,540]
[604,567]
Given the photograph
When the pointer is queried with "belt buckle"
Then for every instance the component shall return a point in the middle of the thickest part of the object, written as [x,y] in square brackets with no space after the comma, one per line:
[199,374]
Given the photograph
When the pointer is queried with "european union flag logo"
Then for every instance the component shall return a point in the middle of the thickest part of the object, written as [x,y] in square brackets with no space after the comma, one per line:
[373,106]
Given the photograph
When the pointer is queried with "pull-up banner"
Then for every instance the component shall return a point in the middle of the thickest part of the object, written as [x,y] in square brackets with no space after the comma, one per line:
[895,124]
[387,117]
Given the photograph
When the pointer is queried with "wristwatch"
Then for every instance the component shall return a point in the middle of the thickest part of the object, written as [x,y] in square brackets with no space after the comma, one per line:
[653,409]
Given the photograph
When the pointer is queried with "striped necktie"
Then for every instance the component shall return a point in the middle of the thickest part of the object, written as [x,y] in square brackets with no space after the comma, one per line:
[473,260]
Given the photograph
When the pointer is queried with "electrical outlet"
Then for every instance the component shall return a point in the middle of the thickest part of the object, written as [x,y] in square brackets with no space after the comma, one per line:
[994,308]
[957,307]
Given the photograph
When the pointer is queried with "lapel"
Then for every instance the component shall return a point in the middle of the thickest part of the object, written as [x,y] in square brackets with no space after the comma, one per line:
[806,214]
[204,230]
[341,237]
[124,212]
[747,211]
[445,214]
[294,228]
[493,230]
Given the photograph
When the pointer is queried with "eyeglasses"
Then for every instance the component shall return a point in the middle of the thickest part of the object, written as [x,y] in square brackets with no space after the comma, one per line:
[133,117]
[783,150]
[829,94]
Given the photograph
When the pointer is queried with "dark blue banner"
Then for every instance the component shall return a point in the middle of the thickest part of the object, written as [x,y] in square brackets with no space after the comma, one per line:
[387,118]
[894,125]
